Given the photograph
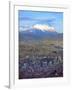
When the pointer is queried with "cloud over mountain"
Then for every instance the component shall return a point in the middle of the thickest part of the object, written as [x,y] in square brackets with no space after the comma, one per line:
[43,27]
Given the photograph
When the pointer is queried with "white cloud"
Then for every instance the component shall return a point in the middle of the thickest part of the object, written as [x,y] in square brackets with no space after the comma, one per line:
[43,27]
[24,28]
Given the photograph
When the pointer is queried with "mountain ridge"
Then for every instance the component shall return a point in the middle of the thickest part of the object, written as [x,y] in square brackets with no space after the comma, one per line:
[38,34]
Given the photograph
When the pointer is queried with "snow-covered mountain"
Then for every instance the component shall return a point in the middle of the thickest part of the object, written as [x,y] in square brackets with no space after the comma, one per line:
[39,32]
[40,27]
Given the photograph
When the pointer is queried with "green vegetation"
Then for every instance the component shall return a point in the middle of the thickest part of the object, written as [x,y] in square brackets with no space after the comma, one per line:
[40,48]
[40,59]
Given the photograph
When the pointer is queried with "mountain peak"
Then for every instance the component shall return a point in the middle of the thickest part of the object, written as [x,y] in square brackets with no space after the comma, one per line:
[43,27]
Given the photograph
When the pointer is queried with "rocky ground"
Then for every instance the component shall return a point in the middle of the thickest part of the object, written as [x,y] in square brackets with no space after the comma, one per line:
[40,67]
[41,59]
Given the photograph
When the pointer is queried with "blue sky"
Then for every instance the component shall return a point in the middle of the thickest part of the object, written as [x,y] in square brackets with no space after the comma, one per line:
[27,19]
